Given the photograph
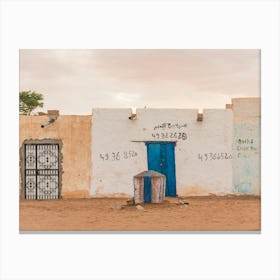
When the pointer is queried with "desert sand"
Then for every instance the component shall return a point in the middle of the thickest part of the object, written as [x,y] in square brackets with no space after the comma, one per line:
[212,213]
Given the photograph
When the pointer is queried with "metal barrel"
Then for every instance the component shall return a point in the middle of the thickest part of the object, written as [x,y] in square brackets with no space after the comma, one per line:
[149,187]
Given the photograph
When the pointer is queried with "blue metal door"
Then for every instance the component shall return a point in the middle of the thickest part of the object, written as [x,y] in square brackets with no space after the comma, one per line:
[161,158]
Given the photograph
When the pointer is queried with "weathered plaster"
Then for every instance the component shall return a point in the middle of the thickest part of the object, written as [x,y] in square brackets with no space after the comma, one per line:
[114,134]
[101,153]
[247,145]
[74,132]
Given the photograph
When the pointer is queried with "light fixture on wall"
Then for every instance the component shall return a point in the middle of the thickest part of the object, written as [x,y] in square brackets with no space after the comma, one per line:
[133,114]
[199,117]
[132,117]
[53,115]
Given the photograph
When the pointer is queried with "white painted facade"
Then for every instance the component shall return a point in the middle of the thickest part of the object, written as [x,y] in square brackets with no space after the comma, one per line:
[102,153]
[203,151]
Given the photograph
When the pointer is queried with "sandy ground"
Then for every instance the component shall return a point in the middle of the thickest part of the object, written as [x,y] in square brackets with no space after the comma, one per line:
[105,214]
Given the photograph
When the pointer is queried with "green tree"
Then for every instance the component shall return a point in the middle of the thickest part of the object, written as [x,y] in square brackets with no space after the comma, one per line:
[29,101]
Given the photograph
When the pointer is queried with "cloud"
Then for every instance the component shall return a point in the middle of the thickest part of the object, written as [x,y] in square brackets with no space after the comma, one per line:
[127,99]
[74,81]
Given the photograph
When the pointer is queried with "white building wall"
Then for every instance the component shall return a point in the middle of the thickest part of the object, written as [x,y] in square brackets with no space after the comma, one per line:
[115,158]
[204,162]
[203,150]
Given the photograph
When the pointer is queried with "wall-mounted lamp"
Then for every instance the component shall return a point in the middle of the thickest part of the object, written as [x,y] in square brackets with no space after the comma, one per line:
[132,117]
[53,115]
[199,117]
[132,114]
[47,123]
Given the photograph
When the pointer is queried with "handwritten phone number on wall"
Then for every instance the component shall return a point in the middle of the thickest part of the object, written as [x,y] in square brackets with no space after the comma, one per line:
[170,135]
[114,156]
[214,156]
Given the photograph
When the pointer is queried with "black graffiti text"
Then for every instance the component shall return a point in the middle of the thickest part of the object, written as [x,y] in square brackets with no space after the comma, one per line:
[213,156]
[170,126]
[170,135]
[116,156]
[245,141]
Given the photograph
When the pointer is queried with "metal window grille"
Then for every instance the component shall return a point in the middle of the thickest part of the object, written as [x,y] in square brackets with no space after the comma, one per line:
[41,171]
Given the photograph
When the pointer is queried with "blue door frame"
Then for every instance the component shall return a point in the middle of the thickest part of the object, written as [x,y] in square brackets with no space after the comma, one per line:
[161,158]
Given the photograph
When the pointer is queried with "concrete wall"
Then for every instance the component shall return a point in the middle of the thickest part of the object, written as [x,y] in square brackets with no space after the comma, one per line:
[247,145]
[203,153]
[115,157]
[101,153]
[75,134]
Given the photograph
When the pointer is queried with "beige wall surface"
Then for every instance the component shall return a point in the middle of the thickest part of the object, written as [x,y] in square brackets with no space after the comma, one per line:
[247,145]
[102,152]
[75,134]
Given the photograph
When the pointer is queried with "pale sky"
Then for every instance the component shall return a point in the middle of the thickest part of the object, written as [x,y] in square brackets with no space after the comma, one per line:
[75,81]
